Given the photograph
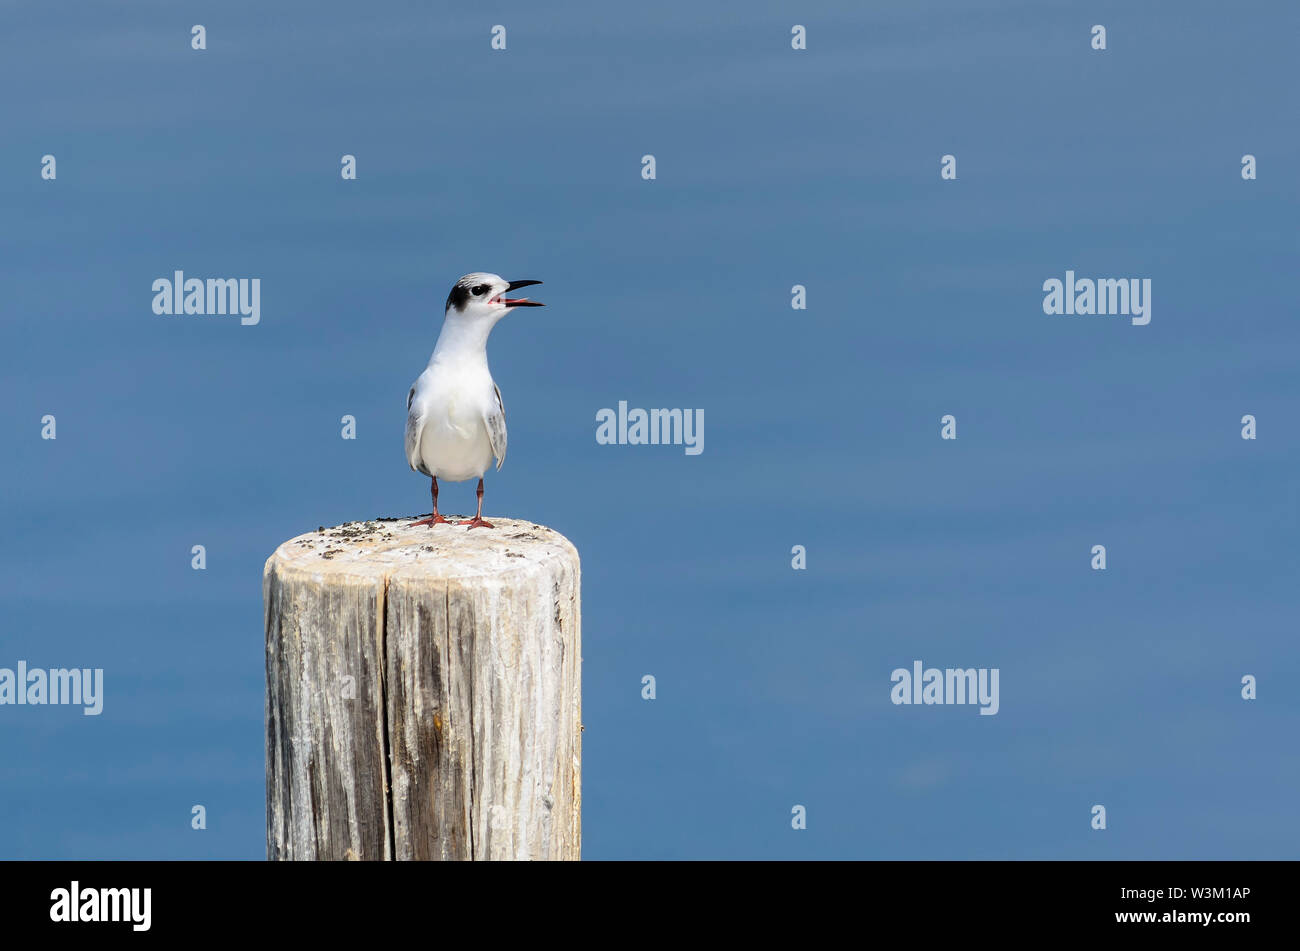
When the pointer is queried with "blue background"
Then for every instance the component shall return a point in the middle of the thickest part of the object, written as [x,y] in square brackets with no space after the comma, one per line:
[775,167]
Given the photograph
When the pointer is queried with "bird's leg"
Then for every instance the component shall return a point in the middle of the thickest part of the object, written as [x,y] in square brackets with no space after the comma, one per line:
[477,521]
[435,518]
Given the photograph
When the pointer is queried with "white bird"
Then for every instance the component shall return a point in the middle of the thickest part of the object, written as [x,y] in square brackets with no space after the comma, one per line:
[455,420]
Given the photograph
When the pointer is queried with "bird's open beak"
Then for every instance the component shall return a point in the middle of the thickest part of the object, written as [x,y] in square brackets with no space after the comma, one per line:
[520,301]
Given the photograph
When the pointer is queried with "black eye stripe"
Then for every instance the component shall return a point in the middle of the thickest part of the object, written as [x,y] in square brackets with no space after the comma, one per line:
[462,293]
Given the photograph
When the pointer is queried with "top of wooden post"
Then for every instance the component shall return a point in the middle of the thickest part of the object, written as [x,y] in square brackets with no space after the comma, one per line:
[388,546]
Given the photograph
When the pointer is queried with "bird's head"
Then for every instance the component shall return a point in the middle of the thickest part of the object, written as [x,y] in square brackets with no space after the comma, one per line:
[481,296]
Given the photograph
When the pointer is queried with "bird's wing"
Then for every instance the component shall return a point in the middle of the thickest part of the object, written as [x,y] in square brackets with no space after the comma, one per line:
[414,427]
[496,427]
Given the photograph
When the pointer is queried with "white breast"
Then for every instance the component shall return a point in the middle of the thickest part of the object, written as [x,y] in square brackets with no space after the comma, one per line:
[454,443]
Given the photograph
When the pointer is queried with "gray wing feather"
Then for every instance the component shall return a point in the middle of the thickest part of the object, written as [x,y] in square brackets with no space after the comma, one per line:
[496,427]
[414,427]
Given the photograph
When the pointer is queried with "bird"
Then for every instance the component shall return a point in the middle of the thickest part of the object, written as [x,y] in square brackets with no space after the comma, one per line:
[455,418]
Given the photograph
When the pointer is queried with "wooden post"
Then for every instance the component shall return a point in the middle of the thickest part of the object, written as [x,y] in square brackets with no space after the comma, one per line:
[423,693]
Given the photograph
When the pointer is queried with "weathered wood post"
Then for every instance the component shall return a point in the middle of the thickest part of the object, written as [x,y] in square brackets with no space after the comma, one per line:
[423,693]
